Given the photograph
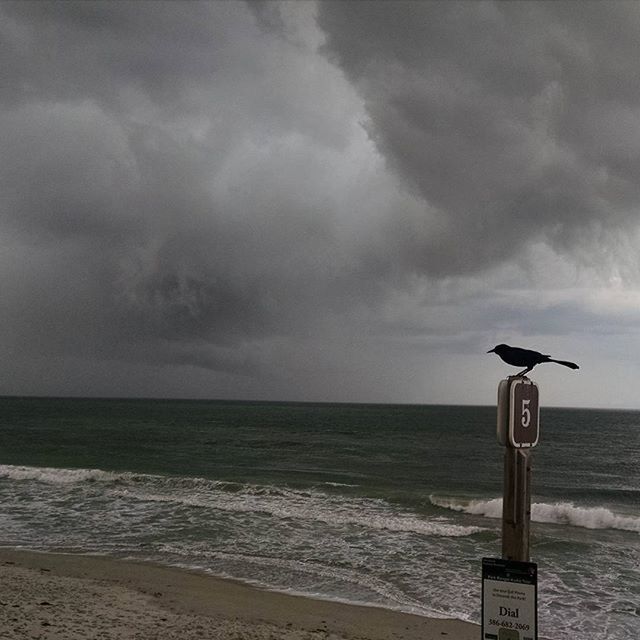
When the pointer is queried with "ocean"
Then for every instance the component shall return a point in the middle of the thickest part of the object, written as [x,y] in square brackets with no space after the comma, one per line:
[386,505]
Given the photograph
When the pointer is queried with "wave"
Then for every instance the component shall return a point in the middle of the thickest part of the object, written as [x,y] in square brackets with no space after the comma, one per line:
[310,506]
[340,484]
[587,517]
[488,508]
[555,513]
[284,503]
[51,475]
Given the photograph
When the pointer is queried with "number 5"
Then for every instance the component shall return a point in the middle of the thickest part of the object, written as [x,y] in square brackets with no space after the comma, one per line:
[526,414]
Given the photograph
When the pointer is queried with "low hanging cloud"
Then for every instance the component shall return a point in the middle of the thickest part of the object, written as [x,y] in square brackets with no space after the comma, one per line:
[306,200]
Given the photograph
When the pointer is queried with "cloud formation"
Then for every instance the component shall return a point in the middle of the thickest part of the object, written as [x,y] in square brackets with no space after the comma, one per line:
[514,122]
[334,200]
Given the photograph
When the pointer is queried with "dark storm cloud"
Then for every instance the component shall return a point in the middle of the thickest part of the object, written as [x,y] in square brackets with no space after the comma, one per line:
[166,178]
[516,122]
[192,203]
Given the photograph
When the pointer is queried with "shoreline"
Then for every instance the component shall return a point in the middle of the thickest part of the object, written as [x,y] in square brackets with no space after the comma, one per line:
[59,595]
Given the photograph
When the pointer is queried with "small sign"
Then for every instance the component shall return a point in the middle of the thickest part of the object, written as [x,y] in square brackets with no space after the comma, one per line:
[509,600]
[524,413]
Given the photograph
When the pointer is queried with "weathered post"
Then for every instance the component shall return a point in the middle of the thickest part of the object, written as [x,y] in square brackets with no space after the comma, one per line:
[516,505]
[518,431]
[510,584]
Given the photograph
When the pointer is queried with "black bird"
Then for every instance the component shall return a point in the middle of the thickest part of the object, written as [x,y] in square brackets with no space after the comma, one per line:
[525,358]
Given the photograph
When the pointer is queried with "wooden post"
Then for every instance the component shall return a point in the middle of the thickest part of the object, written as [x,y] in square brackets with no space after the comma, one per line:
[518,430]
[516,504]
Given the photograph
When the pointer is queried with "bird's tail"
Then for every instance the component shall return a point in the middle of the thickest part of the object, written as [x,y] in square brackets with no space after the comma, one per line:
[564,363]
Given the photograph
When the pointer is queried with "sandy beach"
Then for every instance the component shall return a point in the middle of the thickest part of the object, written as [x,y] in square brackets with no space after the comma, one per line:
[60,596]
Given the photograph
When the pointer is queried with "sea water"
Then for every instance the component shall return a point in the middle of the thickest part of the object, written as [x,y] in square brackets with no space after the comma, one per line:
[393,506]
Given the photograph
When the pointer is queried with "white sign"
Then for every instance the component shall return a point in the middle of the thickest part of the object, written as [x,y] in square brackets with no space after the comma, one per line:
[509,600]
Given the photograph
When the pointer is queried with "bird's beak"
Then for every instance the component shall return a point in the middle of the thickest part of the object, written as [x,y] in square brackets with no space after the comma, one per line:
[492,350]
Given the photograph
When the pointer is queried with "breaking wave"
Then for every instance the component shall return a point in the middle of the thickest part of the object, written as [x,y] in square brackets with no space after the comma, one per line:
[52,475]
[556,513]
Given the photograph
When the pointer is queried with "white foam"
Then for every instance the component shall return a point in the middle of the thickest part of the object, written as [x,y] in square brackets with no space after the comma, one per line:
[310,506]
[340,484]
[554,513]
[52,475]
[280,502]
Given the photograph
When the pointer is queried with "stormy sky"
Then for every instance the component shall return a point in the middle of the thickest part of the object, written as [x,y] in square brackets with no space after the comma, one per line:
[331,201]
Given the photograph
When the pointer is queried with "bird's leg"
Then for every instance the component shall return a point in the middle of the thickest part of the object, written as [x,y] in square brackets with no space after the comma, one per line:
[523,372]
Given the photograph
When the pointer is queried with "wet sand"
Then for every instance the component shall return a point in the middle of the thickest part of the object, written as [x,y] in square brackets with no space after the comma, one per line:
[57,596]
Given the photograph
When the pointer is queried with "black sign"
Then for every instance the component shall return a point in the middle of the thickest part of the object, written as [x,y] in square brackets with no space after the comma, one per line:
[524,413]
